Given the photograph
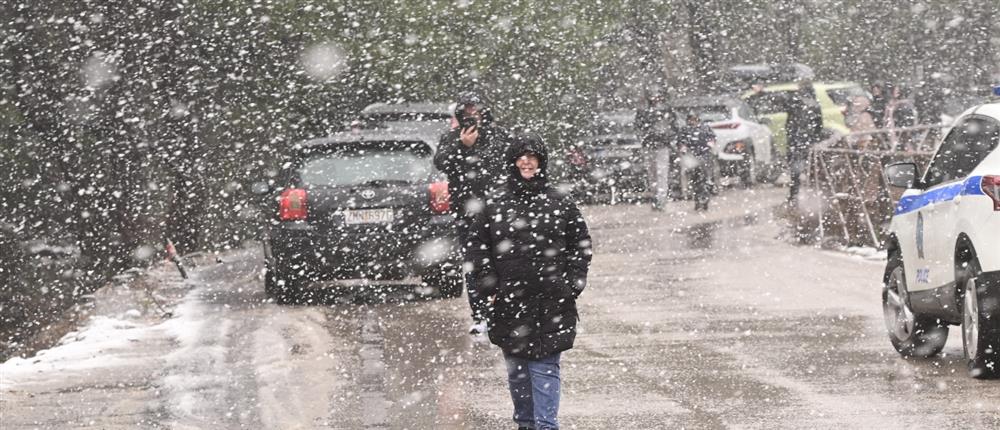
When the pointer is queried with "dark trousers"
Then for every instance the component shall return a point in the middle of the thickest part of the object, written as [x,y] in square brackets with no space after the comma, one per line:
[797,161]
[477,303]
[700,180]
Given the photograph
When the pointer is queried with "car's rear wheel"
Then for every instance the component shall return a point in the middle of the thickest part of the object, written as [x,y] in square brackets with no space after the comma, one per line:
[980,330]
[911,334]
[281,287]
[449,282]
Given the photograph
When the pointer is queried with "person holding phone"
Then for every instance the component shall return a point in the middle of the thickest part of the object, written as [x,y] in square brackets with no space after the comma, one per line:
[472,156]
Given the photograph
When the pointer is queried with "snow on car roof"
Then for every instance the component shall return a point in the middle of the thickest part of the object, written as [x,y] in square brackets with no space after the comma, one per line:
[705,101]
[988,109]
[375,135]
[439,108]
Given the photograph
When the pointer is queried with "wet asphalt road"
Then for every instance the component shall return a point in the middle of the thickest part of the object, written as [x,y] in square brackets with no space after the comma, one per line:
[689,321]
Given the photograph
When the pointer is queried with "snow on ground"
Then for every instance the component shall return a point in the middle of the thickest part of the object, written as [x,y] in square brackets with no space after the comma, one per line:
[104,343]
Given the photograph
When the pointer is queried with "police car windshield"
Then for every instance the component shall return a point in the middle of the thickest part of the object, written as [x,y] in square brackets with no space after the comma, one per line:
[965,147]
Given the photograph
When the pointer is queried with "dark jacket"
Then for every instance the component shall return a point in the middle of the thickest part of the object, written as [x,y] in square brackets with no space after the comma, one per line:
[530,249]
[804,126]
[805,123]
[697,139]
[472,172]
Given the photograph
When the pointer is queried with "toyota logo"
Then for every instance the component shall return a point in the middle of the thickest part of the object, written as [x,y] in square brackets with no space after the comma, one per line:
[368,194]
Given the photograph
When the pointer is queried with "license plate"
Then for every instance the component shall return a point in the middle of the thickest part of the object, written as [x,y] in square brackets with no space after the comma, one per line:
[368,216]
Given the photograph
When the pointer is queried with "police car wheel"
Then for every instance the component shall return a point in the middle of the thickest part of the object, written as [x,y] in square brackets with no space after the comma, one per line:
[911,334]
[980,339]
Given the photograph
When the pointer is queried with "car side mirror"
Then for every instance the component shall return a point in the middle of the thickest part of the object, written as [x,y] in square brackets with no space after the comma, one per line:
[901,175]
[260,188]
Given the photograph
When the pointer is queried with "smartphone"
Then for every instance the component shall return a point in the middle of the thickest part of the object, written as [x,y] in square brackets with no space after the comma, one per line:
[468,122]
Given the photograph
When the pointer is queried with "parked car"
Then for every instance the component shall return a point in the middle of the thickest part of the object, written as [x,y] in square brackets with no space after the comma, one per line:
[364,204]
[741,76]
[744,146]
[943,255]
[833,98]
[611,166]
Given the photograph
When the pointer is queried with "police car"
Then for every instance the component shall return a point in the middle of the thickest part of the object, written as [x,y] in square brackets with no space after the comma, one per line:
[944,246]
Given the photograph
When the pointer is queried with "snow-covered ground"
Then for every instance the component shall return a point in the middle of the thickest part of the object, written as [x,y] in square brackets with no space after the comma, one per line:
[690,320]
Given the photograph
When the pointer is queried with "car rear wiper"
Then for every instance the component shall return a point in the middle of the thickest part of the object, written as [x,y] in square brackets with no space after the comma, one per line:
[384,182]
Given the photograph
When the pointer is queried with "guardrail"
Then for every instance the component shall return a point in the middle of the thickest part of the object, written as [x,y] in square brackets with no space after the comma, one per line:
[845,171]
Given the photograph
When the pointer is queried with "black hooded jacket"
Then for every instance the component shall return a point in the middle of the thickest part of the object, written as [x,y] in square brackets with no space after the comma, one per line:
[804,126]
[530,248]
[473,172]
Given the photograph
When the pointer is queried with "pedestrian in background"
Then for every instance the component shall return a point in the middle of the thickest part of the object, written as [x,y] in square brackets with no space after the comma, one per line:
[804,129]
[878,105]
[655,142]
[472,154]
[531,252]
[858,119]
[900,113]
[696,142]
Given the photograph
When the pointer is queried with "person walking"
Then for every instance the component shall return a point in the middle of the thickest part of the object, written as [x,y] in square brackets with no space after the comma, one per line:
[900,113]
[696,141]
[804,129]
[656,148]
[472,154]
[531,251]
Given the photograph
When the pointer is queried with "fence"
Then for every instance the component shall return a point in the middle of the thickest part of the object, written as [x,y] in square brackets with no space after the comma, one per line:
[846,173]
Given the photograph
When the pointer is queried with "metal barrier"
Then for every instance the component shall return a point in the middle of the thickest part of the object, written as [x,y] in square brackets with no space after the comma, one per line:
[846,172]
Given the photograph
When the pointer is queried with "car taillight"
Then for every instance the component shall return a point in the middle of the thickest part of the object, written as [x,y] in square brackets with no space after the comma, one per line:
[439,197]
[292,206]
[726,125]
[991,187]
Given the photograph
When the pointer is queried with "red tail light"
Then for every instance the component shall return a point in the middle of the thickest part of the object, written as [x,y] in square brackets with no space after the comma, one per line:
[439,197]
[991,187]
[726,125]
[293,205]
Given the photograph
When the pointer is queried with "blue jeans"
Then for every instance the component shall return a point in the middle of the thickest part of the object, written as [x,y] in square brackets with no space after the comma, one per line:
[534,388]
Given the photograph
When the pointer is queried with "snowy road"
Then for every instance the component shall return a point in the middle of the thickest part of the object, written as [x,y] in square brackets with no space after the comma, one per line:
[693,321]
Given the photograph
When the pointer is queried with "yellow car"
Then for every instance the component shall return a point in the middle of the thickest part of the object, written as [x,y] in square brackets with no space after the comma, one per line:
[832,96]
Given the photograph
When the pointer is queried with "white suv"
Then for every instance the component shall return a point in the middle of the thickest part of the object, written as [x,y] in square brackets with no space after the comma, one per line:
[944,246]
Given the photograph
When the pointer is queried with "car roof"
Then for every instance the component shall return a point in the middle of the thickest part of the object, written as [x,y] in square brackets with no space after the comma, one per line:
[619,116]
[694,101]
[991,109]
[613,136]
[790,86]
[375,135]
[440,108]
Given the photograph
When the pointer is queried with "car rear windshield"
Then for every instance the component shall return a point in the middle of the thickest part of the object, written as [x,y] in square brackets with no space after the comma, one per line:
[366,163]
[705,113]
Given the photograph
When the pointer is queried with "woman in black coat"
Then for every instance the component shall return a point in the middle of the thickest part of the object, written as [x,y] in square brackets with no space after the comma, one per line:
[531,250]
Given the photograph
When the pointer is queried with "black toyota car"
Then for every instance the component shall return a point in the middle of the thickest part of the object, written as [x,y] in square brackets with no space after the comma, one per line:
[366,205]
